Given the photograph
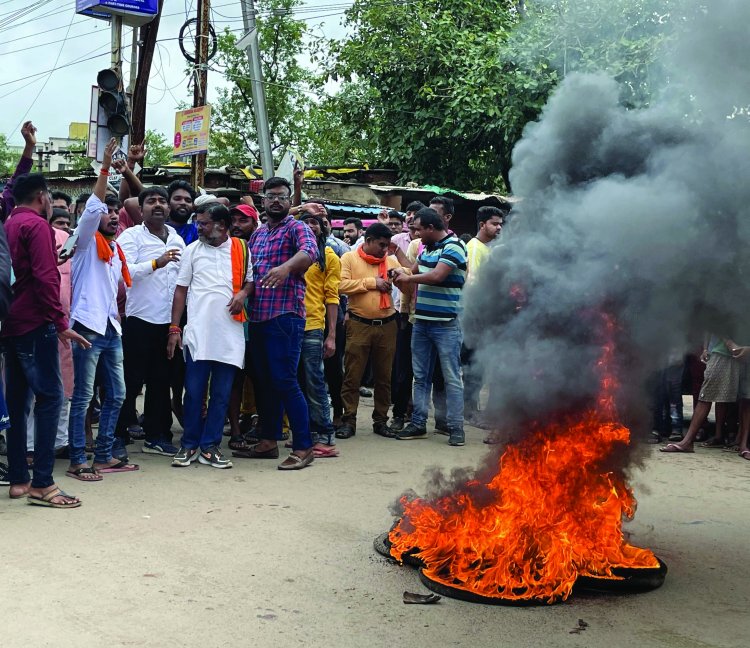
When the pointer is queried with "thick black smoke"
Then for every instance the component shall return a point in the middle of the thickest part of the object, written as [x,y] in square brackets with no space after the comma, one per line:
[644,214]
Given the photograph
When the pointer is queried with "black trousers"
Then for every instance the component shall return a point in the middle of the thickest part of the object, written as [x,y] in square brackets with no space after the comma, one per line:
[334,370]
[144,347]
[402,375]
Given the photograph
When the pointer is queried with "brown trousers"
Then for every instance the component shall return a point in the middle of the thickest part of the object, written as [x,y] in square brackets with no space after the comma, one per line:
[367,342]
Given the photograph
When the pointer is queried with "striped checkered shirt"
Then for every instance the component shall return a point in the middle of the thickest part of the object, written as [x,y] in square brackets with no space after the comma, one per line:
[269,248]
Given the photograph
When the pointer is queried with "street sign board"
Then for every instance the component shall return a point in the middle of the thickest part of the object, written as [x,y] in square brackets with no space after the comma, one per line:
[191,131]
[133,12]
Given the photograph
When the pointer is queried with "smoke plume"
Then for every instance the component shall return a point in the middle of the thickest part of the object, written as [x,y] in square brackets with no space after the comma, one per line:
[643,214]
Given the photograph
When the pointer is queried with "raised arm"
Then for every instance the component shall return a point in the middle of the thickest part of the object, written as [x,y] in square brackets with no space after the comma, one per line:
[95,206]
[28,130]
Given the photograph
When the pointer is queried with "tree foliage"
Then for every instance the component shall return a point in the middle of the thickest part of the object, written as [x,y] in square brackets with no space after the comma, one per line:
[451,85]
[8,159]
[158,149]
[290,88]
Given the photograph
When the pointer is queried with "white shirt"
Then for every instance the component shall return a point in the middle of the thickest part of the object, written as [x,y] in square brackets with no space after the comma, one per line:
[150,297]
[94,281]
[211,332]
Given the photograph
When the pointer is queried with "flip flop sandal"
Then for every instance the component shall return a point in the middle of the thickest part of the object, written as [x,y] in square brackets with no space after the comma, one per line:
[46,500]
[322,453]
[295,462]
[713,443]
[78,472]
[120,466]
[239,443]
[745,454]
[252,453]
[673,447]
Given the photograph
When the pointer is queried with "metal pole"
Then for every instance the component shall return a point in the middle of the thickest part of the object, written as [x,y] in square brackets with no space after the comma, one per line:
[117,44]
[258,89]
[133,62]
[200,93]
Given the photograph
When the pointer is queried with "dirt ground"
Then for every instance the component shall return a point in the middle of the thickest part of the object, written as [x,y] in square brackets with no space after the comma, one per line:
[255,557]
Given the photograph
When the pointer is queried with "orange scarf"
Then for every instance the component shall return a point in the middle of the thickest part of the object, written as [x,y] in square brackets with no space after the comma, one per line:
[105,252]
[239,255]
[385,298]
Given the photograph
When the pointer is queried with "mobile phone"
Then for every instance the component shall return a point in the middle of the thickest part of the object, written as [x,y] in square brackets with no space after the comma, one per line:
[69,248]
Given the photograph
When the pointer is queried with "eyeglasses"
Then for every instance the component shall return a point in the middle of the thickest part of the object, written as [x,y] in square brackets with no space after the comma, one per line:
[272,198]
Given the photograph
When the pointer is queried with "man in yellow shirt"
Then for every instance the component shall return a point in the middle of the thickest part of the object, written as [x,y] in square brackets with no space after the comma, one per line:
[489,222]
[371,328]
[322,306]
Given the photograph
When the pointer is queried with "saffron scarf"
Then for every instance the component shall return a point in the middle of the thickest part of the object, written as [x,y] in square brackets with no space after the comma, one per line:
[240,259]
[105,252]
[385,298]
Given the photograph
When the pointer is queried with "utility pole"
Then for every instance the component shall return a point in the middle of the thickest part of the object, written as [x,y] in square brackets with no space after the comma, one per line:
[257,88]
[116,28]
[148,35]
[200,86]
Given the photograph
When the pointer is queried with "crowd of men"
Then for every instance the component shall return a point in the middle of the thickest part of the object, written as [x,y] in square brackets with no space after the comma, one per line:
[217,312]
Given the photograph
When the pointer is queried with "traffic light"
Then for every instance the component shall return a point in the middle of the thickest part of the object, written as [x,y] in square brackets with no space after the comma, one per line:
[113,101]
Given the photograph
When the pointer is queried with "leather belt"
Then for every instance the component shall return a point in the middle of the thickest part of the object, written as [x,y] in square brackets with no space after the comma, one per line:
[373,322]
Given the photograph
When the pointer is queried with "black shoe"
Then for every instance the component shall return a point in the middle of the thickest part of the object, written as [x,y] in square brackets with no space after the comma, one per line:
[412,431]
[382,429]
[62,453]
[136,432]
[441,427]
[4,481]
[457,438]
[346,431]
[365,392]
[397,423]
[3,446]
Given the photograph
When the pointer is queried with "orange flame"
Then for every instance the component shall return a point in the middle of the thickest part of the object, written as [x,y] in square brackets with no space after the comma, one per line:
[552,512]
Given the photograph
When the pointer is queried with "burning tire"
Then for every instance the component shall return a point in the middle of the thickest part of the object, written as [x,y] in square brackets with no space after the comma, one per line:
[382,545]
[631,581]
[471,597]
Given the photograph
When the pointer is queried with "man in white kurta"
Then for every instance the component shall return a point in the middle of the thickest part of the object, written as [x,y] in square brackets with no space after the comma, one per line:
[214,339]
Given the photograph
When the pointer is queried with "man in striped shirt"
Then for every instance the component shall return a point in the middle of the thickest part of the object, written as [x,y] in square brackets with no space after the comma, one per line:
[439,274]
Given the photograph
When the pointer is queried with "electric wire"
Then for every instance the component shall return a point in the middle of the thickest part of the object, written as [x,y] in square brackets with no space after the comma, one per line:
[45,81]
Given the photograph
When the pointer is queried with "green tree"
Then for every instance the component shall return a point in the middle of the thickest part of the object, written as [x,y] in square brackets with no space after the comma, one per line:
[290,88]
[8,159]
[158,149]
[452,84]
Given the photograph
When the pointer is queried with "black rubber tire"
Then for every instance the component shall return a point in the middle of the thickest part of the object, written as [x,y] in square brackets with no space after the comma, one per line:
[471,597]
[633,581]
[382,545]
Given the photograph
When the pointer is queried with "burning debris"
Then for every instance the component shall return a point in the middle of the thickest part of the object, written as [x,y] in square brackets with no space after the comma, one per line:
[550,517]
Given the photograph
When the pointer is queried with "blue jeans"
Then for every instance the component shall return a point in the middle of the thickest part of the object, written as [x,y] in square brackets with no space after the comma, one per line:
[441,340]
[276,346]
[315,388]
[198,432]
[105,351]
[33,368]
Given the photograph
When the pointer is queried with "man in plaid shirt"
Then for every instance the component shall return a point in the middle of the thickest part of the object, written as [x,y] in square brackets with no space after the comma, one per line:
[281,250]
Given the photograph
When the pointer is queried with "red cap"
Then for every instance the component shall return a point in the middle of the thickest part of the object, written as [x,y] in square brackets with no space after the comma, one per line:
[247,210]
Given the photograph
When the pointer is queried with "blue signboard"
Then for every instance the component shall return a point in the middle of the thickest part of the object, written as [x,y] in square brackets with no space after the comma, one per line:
[134,12]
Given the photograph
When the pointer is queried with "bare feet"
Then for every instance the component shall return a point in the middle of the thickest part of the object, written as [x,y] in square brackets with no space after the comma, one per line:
[19,490]
[264,445]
